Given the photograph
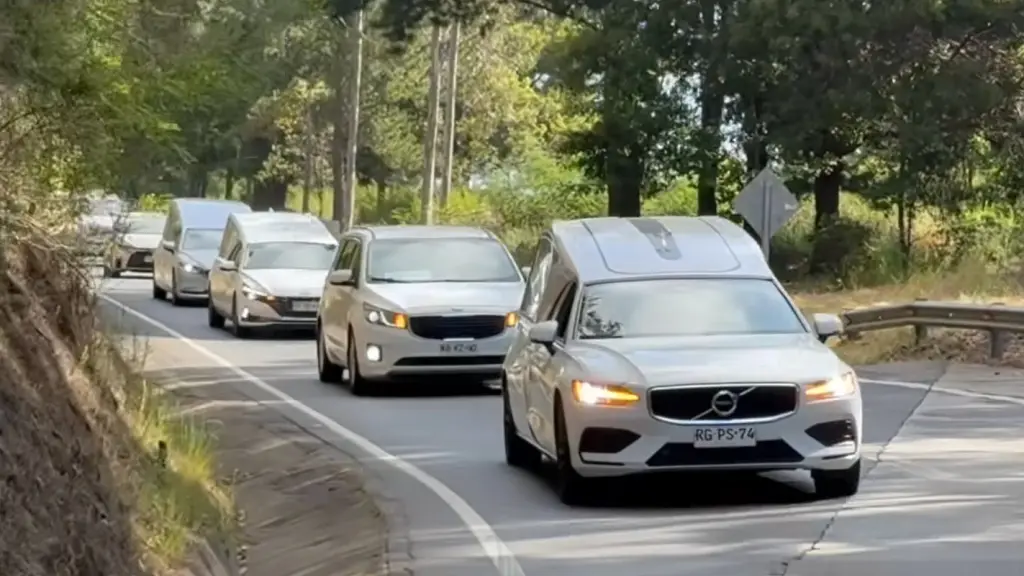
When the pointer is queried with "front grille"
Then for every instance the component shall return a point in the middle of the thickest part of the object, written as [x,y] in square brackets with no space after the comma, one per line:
[138,260]
[680,454]
[752,402]
[444,327]
[286,307]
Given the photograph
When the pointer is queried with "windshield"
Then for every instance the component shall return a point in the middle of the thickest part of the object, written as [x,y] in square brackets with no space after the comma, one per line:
[145,226]
[201,239]
[440,260]
[290,255]
[687,307]
[105,207]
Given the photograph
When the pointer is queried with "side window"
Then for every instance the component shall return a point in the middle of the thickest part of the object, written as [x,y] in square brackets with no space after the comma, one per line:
[344,256]
[554,289]
[176,232]
[537,281]
[356,262]
[169,227]
[236,253]
[227,243]
[564,310]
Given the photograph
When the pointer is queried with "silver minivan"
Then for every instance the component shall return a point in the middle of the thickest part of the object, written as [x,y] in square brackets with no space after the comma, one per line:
[405,301]
[191,239]
[270,271]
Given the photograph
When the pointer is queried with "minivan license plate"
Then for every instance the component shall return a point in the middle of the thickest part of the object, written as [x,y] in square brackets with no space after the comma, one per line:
[724,437]
[457,348]
[147,259]
[302,306]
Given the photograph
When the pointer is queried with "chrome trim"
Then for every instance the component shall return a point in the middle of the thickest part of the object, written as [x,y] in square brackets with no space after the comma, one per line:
[737,421]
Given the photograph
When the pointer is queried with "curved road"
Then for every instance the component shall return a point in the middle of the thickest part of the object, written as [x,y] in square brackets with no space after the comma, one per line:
[438,459]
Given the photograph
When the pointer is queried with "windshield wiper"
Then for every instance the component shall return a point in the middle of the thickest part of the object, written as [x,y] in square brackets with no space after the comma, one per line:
[390,280]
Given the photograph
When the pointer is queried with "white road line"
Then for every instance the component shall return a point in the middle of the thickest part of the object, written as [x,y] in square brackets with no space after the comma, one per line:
[949,391]
[496,550]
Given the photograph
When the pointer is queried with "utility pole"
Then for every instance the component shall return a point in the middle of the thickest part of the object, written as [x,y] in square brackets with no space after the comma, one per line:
[430,138]
[352,142]
[307,172]
[450,99]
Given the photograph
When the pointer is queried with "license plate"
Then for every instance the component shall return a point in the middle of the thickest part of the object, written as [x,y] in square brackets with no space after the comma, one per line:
[305,306]
[724,437]
[458,347]
[147,259]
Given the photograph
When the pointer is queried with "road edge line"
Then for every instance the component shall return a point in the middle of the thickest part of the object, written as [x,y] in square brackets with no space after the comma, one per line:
[493,547]
[932,388]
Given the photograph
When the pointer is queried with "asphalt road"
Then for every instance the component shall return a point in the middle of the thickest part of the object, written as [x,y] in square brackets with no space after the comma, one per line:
[436,454]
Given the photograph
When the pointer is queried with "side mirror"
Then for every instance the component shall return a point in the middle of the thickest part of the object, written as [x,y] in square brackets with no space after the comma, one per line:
[226,265]
[340,277]
[544,332]
[526,271]
[827,326]
[167,245]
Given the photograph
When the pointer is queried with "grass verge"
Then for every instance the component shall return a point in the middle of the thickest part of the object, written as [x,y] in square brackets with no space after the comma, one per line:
[102,474]
[968,283]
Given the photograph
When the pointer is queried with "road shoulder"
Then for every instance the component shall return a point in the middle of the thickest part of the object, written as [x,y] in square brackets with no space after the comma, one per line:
[305,504]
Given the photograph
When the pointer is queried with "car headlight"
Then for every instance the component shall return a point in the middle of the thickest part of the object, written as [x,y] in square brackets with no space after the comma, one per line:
[191,268]
[837,387]
[256,293]
[382,317]
[592,394]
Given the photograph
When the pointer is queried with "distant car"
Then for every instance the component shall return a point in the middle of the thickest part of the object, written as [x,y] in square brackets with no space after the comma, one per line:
[667,344]
[135,238]
[270,271]
[407,301]
[96,223]
[191,239]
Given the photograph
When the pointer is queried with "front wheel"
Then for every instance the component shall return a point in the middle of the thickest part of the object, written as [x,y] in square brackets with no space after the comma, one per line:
[175,299]
[830,484]
[158,292]
[213,318]
[329,372]
[518,452]
[572,488]
[360,386]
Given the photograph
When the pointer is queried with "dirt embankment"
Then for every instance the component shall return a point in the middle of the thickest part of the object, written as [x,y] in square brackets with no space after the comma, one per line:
[79,494]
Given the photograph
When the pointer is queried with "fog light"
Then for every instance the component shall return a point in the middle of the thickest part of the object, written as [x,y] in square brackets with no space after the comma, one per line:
[245,313]
[373,353]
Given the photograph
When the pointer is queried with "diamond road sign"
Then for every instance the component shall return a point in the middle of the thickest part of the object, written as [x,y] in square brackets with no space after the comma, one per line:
[767,205]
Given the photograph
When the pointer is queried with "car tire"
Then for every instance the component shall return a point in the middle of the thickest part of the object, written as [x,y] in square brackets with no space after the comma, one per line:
[572,488]
[175,299]
[518,452]
[115,273]
[829,484]
[236,327]
[158,292]
[360,386]
[330,373]
[213,318]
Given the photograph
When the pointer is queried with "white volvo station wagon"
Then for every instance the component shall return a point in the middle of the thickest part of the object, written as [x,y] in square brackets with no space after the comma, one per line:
[667,344]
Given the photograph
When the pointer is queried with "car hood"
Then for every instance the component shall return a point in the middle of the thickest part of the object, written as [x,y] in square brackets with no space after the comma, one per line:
[144,241]
[441,297]
[203,258]
[290,283]
[709,359]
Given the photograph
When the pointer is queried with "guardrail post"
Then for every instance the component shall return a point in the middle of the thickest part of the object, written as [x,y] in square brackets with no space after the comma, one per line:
[847,333]
[997,340]
[920,332]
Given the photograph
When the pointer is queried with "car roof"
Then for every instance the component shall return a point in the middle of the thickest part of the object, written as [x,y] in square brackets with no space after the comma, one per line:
[283,227]
[413,231]
[207,213]
[612,248]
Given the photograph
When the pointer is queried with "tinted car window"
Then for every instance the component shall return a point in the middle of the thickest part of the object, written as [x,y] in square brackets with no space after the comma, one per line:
[689,307]
[440,260]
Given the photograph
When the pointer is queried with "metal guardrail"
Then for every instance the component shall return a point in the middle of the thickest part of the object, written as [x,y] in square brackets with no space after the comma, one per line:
[998,320]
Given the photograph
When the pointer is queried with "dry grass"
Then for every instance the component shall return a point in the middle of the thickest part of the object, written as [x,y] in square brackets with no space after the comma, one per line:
[966,284]
[100,476]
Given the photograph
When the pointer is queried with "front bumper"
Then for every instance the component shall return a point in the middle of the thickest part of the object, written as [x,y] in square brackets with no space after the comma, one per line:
[611,441]
[132,260]
[277,313]
[404,354]
[193,285]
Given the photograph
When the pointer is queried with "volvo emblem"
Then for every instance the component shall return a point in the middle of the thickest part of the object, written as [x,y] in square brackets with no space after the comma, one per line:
[724,403]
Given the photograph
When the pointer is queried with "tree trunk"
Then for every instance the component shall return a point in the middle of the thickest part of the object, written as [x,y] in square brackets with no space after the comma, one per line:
[712,102]
[624,174]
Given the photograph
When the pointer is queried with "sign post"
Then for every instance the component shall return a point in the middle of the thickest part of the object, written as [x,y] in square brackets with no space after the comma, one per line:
[767,205]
